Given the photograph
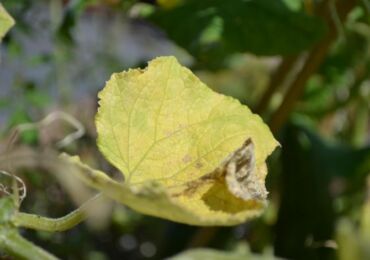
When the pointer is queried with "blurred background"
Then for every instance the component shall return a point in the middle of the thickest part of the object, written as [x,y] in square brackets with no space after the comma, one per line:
[303,65]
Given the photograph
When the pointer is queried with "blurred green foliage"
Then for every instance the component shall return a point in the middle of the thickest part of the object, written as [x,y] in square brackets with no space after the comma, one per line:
[308,213]
[213,30]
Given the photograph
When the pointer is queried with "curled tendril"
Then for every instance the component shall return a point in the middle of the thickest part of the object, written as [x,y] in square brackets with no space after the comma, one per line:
[57,115]
[22,189]
[54,116]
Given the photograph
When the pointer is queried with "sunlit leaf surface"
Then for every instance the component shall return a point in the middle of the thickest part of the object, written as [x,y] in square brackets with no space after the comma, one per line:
[163,128]
[6,22]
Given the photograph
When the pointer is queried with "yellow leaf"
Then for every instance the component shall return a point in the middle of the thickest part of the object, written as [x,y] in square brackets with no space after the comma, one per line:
[167,132]
[6,22]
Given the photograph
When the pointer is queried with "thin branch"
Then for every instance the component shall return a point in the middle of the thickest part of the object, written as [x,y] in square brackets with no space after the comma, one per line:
[276,80]
[315,58]
[54,116]
[15,245]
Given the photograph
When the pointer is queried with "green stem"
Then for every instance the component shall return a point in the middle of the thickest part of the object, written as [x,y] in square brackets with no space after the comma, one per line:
[15,245]
[54,224]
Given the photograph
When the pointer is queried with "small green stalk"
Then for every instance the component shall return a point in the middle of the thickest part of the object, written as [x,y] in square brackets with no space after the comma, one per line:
[54,224]
[15,245]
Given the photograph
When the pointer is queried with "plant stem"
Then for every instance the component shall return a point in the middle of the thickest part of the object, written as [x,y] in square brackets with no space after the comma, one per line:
[55,224]
[15,245]
[315,58]
[276,80]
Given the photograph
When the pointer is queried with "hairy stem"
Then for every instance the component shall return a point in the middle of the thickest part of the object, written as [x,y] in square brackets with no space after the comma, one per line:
[15,245]
[54,224]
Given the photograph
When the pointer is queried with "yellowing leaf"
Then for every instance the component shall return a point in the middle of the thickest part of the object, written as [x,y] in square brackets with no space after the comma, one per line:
[165,130]
[153,199]
[6,21]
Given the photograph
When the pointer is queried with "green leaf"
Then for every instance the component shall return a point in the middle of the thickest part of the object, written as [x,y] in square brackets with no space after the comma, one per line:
[310,165]
[213,29]
[163,129]
[6,22]
[212,254]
